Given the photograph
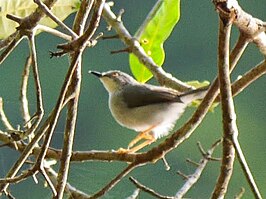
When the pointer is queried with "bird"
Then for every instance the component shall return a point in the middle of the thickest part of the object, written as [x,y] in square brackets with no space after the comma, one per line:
[148,109]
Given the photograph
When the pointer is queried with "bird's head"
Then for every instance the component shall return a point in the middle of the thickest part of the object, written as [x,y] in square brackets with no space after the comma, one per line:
[114,80]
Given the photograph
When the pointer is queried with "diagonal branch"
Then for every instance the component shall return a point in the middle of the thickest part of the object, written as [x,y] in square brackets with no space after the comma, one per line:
[114,181]
[47,11]
[162,77]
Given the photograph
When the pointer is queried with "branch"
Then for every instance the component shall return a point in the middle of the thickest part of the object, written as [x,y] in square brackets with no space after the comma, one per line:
[229,117]
[3,117]
[86,38]
[248,78]
[72,191]
[148,190]
[229,12]
[192,179]
[25,25]
[114,181]
[162,77]
[23,93]
[47,11]
[74,90]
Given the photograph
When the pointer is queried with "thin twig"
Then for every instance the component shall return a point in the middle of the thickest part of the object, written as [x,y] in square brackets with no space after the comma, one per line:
[48,180]
[11,46]
[53,32]
[72,191]
[23,93]
[114,181]
[47,11]
[148,190]
[39,105]
[23,176]
[245,168]
[5,42]
[94,23]
[86,38]
[248,78]
[57,110]
[82,16]
[193,178]
[3,117]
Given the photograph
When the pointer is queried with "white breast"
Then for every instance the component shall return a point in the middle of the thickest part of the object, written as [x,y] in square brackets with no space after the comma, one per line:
[161,116]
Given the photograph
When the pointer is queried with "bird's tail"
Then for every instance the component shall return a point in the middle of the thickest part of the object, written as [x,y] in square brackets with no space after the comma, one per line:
[189,96]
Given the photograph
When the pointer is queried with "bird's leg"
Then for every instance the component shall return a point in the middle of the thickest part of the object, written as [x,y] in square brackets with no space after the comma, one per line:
[148,141]
[142,135]
[141,145]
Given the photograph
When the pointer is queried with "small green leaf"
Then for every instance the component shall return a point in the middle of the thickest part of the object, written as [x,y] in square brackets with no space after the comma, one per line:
[23,8]
[198,84]
[153,32]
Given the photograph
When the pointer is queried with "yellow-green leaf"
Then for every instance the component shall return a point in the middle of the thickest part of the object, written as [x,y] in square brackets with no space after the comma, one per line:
[23,8]
[198,84]
[152,34]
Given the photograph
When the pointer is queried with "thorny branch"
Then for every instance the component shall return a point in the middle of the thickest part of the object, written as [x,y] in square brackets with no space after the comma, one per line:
[251,30]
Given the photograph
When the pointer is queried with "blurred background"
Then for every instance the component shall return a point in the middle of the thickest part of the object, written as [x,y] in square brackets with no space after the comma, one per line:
[191,54]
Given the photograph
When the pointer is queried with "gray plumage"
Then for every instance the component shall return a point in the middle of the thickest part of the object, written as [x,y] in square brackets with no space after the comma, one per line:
[144,106]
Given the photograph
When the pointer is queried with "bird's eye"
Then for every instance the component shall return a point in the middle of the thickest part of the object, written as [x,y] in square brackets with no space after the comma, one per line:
[115,74]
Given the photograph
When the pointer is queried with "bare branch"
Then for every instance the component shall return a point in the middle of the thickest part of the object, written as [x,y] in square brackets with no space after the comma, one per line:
[69,131]
[3,117]
[11,46]
[245,168]
[149,190]
[229,117]
[114,181]
[86,38]
[47,11]
[5,42]
[72,191]
[23,93]
[162,77]
[82,16]
[192,179]
[249,78]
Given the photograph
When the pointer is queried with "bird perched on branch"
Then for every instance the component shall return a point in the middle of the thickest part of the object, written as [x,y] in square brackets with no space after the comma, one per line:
[150,110]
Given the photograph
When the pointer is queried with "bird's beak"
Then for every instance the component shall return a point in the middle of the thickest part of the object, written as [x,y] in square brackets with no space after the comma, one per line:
[96,73]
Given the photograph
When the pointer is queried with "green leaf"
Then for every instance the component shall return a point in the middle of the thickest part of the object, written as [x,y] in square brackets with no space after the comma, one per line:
[23,8]
[152,34]
[198,84]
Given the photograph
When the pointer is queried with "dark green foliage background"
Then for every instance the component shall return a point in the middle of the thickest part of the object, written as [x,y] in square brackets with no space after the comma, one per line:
[190,55]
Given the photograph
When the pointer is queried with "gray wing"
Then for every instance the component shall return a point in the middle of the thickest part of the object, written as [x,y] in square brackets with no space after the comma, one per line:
[142,95]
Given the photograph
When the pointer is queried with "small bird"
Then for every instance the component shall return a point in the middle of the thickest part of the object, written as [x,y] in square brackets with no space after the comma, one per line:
[150,110]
